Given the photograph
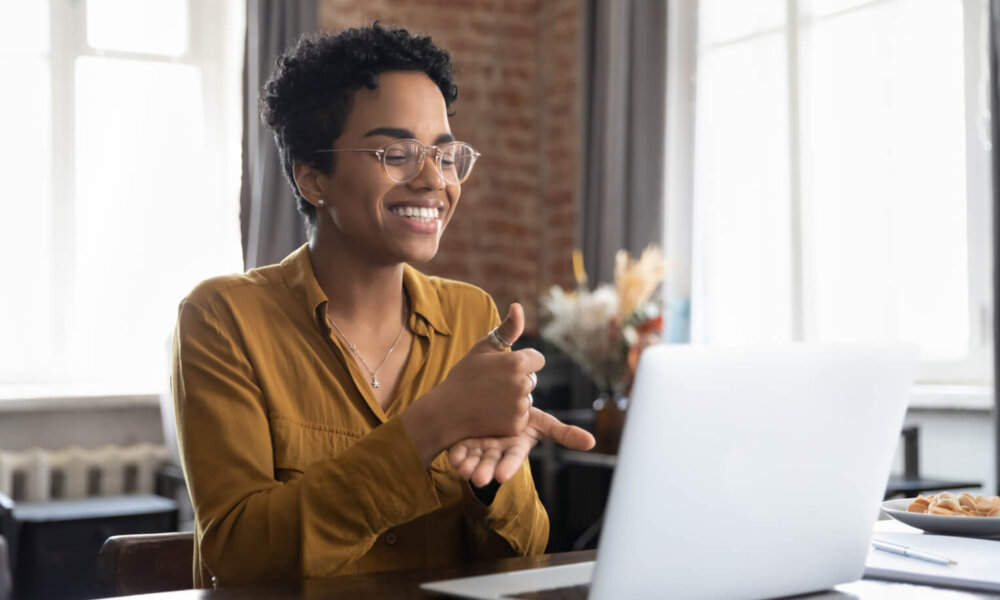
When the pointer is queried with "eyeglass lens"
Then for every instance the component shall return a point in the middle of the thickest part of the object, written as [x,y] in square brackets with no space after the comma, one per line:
[403,161]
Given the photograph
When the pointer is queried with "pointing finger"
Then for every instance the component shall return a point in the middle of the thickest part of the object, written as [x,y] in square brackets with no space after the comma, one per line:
[570,436]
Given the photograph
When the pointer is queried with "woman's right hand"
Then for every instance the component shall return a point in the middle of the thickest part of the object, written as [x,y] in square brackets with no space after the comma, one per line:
[487,391]
[484,395]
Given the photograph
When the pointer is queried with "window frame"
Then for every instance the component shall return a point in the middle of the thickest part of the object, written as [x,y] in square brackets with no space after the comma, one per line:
[67,28]
[976,369]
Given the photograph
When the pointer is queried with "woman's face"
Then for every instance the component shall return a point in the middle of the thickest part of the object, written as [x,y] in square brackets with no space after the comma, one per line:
[372,214]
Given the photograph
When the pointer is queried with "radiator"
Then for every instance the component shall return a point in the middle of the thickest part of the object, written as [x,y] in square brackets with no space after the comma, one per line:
[38,475]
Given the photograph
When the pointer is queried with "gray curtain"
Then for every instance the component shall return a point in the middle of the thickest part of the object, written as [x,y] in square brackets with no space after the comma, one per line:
[271,226]
[624,111]
[995,136]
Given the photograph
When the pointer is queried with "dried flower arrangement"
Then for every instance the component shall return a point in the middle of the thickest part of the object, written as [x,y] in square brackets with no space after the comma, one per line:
[604,330]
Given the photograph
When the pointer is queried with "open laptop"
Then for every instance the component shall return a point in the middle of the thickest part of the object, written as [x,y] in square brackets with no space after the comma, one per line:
[747,472]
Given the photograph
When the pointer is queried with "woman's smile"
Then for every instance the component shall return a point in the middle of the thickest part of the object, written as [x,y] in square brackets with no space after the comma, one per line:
[418,218]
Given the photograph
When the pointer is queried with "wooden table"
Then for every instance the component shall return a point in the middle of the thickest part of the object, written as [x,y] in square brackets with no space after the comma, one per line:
[405,585]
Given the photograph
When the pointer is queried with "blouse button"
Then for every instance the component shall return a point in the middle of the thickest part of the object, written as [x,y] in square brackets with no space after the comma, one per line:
[390,538]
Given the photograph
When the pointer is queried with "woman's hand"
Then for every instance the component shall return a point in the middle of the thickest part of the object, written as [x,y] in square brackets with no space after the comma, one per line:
[488,389]
[485,395]
[482,459]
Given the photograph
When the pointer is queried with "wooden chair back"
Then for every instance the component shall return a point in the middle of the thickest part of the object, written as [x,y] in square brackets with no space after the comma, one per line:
[146,563]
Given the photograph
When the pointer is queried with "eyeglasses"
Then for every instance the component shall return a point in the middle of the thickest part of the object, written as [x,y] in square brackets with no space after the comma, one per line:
[403,160]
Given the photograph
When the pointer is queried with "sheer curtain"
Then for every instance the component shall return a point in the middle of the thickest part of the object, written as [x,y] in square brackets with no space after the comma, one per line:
[841,185]
[119,170]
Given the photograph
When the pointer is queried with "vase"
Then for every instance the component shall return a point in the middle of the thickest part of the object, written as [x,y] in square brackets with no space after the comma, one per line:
[609,418]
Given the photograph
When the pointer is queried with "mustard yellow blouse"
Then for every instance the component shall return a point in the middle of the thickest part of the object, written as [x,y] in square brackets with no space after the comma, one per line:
[293,467]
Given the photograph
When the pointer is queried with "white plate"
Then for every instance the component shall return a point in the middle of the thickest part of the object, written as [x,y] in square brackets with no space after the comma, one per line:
[943,524]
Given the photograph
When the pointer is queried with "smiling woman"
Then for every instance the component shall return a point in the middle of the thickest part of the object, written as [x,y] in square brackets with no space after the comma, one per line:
[316,398]
[376,226]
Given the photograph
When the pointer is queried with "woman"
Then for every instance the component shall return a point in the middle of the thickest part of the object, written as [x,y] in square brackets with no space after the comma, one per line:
[316,398]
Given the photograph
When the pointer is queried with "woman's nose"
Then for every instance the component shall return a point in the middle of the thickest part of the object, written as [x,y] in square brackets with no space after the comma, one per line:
[429,176]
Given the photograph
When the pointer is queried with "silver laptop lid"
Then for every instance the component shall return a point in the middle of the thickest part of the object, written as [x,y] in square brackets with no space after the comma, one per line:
[751,472]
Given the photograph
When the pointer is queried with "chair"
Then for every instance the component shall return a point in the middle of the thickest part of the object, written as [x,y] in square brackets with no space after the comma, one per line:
[146,563]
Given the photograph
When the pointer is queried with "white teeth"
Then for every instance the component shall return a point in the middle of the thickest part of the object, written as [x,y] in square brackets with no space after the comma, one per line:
[421,215]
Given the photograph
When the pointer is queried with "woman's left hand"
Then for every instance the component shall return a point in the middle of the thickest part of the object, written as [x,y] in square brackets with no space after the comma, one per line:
[483,459]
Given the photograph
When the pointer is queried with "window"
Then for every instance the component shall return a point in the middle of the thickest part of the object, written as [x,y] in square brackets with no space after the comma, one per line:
[841,177]
[119,179]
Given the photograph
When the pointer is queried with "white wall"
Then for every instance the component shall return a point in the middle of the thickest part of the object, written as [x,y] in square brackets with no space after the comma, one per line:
[85,426]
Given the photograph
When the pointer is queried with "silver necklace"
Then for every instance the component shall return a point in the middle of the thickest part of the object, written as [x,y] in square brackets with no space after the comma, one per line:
[354,349]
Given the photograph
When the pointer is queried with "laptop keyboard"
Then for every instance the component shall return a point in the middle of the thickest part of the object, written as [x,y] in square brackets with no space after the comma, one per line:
[573,592]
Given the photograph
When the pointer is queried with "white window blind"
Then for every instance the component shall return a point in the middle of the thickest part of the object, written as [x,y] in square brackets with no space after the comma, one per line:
[119,179]
[841,177]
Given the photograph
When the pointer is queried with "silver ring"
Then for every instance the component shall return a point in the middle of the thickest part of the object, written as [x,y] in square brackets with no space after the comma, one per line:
[531,401]
[534,380]
[498,342]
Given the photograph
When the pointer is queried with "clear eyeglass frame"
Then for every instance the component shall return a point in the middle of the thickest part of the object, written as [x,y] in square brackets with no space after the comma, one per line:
[439,151]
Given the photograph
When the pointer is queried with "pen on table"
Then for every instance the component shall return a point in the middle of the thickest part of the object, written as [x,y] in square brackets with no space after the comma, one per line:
[910,552]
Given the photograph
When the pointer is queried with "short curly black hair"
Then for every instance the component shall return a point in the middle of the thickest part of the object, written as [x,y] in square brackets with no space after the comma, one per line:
[310,93]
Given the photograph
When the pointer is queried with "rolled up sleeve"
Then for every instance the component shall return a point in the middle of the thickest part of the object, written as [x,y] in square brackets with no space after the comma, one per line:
[515,523]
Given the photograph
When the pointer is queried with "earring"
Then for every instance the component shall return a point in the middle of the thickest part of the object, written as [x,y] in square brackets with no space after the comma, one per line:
[322,202]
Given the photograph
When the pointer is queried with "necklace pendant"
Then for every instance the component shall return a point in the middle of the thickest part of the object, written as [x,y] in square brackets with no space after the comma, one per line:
[374,382]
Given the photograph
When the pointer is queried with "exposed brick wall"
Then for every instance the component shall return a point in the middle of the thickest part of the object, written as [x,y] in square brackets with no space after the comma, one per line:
[560,99]
[518,71]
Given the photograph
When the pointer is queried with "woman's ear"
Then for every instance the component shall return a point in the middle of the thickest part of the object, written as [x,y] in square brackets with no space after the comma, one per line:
[310,182]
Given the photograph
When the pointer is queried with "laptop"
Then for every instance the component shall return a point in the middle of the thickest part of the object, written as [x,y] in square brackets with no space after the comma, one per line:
[743,472]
